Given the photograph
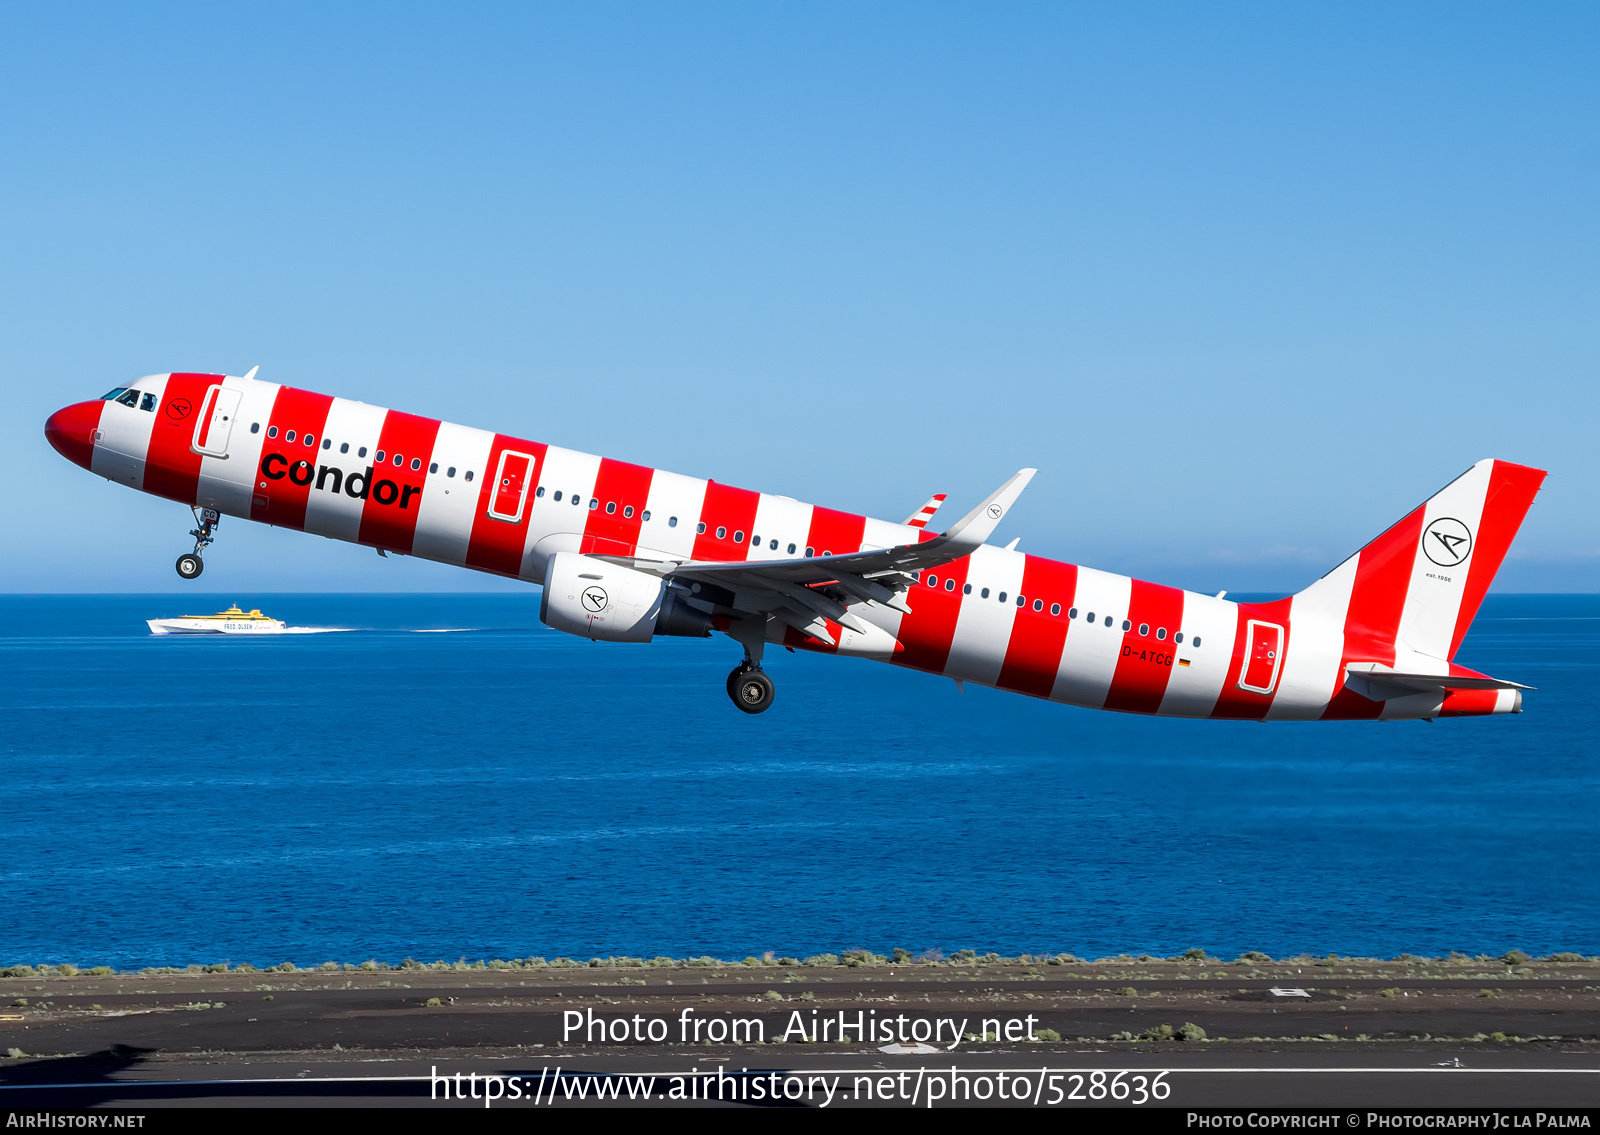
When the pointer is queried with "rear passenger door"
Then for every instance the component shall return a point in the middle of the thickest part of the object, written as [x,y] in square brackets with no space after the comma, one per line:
[1263,657]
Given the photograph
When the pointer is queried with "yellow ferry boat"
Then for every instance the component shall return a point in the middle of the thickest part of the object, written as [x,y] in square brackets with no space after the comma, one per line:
[231,621]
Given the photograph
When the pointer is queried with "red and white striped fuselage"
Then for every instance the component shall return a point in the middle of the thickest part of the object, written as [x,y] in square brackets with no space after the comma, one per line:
[502,504]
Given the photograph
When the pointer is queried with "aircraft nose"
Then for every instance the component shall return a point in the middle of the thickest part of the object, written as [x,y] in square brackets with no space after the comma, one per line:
[70,431]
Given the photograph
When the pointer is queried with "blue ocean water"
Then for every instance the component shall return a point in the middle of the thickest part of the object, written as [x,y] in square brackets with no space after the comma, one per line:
[501,790]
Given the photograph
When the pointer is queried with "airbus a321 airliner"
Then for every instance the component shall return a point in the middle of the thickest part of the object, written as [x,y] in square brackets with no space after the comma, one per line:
[625,553]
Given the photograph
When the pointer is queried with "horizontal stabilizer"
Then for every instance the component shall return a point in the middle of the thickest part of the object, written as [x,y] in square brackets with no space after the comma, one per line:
[1375,674]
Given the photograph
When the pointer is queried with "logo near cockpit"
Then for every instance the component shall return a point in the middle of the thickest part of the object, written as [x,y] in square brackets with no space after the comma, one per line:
[359,486]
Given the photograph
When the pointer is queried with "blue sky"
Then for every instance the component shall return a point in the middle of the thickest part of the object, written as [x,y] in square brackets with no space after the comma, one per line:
[1245,282]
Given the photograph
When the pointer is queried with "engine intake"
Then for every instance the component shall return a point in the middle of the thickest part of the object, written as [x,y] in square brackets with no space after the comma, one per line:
[597,600]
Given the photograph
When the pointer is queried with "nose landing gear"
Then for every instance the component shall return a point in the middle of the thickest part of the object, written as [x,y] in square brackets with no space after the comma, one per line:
[190,565]
[750,688]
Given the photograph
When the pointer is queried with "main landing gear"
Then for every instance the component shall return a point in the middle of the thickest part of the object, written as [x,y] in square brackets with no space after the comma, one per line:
[750,688]
[190,565]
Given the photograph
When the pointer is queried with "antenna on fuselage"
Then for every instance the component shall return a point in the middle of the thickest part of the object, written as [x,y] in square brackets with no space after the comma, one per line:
[252,373]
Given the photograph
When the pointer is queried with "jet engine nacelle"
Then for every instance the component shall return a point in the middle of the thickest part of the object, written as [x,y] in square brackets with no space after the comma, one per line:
[598,600]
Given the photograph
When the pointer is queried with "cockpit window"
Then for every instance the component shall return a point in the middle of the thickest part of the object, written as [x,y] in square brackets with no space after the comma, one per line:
[148,403]
[112,393]
[129,398]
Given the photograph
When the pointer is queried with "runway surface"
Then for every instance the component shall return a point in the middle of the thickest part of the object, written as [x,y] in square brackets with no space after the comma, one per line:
[1347,1034]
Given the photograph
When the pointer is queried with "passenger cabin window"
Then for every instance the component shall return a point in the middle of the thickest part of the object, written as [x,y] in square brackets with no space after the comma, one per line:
[1055,608]
[701,528]
[1161,632]
[611,508]
[1002,597]
[416,463]
[810,552]
[290,437]
[272,431]
[645,515]
[594,503]
[1144,630]
[1108,620]
[469,475]
[773,546]
[433,467]
[399,461]
[344,447]
[379,454]
[557,497]
[722,533]
[738,537]
[311,439]
[984,594]
[129,398]
[791,549]
[627,512]
[1038,604]
[362,452]
[672,521]
[949,585]
[1196,642]
[1126,625]
[1072,613]
[255,427]
[451,472]
[327,443]
[966,589]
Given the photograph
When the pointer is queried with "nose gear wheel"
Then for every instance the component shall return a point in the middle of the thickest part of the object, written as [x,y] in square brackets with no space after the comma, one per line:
[190,565]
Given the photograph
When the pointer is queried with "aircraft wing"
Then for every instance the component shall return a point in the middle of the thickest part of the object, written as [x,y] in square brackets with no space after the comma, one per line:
[789,589]
[960,539]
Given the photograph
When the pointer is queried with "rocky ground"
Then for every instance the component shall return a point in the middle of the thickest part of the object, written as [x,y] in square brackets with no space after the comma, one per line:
[1468,1012]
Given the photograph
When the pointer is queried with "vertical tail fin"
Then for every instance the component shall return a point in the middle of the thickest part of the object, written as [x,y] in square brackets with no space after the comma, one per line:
[1417,587]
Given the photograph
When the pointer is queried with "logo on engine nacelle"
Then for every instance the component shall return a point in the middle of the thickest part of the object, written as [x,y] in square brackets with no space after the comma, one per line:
[594,599]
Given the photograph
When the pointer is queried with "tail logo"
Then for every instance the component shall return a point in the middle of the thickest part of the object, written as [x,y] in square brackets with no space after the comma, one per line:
[1447,542]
